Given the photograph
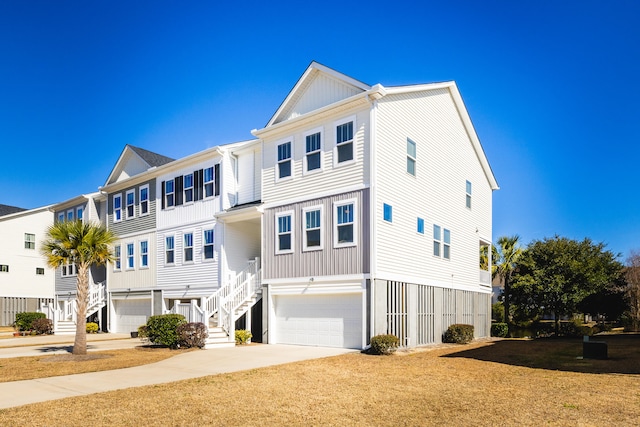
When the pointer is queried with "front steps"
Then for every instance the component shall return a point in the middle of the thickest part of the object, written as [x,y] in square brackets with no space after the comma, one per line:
[218,338]
[65,327]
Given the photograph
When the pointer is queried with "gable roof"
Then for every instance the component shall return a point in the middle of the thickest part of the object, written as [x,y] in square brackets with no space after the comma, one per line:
[152,159]
[7,210]
[135,160]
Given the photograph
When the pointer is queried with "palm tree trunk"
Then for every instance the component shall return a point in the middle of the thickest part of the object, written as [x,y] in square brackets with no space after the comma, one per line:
[80,342]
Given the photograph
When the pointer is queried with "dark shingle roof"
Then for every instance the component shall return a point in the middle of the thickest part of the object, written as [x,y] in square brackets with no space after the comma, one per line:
[7,210]
[153,159]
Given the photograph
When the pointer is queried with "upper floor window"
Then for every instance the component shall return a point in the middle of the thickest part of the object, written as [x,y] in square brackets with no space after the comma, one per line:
[169,249]
[79,213]
[169,198]
[420,226]
[344,223]
[209,182]
[344,142]
[29,241]
[468,196]
[69,269]
[441,242]
[39,271]
[188,247]
[4,268]
[61,217]
[131,200]
[208,244]
[411,157]
[284,160]
[446,239]
[117,208]
[312,238]
[144,253]
[130,255]
[313,157]
[188,188]
[144,200]
[284,230]
[116,258]
[387,212]
[70,215]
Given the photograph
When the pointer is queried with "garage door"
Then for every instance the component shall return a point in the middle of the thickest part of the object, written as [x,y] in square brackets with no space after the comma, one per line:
[131,313]
[319,320]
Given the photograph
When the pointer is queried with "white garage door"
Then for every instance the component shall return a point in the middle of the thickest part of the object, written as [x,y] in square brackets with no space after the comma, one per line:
[131,313]
[319,320]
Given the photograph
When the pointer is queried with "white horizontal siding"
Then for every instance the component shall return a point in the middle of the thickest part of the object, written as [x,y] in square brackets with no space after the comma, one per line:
[139,277]
[241,243]
[249,172]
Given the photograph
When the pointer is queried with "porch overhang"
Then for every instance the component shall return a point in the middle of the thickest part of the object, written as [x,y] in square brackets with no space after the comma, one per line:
[249,211]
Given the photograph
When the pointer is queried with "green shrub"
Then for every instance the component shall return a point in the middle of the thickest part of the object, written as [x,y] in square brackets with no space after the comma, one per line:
[499,330]
[42,326]
[191,335]
[497,312]
[92,328]
[384,344]
[142,331]
[459,334]
[243,336]
[163,329]
[24,320]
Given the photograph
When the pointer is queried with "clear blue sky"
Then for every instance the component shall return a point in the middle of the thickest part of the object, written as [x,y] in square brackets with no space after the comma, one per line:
[551,86]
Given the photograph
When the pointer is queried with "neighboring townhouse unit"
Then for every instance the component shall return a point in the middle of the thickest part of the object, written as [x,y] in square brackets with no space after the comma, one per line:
[376,204]
[26,283]
[86,208]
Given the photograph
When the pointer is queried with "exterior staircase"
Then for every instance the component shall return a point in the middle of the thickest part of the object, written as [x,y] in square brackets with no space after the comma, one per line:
[64,320]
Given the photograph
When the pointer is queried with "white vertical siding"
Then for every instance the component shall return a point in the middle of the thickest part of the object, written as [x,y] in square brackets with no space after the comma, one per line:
[249,172]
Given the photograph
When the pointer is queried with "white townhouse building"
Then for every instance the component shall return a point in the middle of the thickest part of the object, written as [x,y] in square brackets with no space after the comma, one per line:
[26,283]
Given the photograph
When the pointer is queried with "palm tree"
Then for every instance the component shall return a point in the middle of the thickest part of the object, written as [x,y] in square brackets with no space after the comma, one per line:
[505,256]
[83,245]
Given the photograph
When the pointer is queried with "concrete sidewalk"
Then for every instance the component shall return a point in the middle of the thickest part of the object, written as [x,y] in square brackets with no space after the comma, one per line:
[61,344]
[183,366]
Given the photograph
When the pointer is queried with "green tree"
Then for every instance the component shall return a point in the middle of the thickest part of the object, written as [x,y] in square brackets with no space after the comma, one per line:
[82,244]
[632,288]
[506,254]
[555,274]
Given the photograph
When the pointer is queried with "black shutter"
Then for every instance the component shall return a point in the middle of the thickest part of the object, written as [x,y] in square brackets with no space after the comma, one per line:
[197,189]
[216,177]
[179,190]
[163,194]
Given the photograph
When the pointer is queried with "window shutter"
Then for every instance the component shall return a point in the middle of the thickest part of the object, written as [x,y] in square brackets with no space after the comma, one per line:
[216,177]
[197,185]
[179,190]
[163,194]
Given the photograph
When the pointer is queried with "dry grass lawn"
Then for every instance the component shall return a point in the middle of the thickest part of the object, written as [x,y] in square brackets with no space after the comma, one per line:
[503,383]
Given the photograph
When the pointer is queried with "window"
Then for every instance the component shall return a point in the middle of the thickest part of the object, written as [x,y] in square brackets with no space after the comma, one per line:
[411,157]
[313,157]
[144,200]
[441,242]
[169,198]
[130,261]
[4,268]
[169,249]
[79,213]
[117,208]
[446,250]
[188,247]
[437,237]
[39,271]
[29,241]
[144,254]
[344,233]
[420,226]
[188,188]
[284,160]
[284,229]
[70,215]
[312,228]
[131,199]
[208,182]
[344,142]
[68,270]
[468,201]
[208,244]
[116,258]
[387,212]
[61,217]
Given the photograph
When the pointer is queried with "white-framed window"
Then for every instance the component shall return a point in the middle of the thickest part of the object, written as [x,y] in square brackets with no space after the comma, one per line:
[4,268]
[188,247]
[312,238]
[144,254]
[446,239]
[117,257]
[79,213]
[130,199]
[70,215]
[61,217]
[188,188]
[169,193]
[144,200]
[468,196]
[441,242]
[387,212]
[437,240]
[169,250]
[209,184]
[313,150]
[420,226]
[208,244]
[411,157]
[117,208]
[130,256]
[344,152]
[344,223]
[29,241]
[39,271]
[284,232]
[69,269]
[285,155]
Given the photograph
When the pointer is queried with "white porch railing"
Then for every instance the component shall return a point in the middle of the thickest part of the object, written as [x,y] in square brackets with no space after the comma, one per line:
[69,310]
[190,311]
